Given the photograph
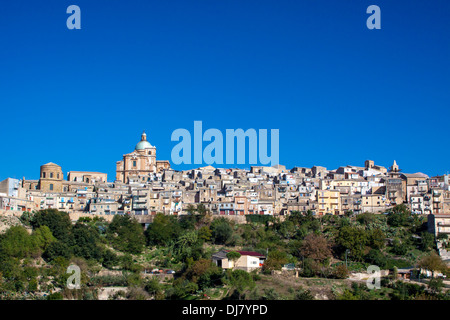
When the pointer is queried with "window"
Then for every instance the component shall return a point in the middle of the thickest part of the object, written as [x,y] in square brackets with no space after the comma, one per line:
[43,174]
[51,174]
[57,175]
[134,163]
[51,186]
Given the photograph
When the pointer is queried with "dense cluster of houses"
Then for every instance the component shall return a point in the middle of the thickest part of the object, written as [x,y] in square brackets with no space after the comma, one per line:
[259,190]
[145,186]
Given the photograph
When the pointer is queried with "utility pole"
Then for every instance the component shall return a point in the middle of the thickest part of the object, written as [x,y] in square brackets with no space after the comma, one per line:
[303,264]
[346,251]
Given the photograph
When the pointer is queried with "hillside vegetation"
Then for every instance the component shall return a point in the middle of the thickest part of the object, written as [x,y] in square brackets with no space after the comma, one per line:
[119,255]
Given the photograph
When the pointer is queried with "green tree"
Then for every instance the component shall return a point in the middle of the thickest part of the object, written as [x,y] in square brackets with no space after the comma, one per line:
[85,242]
[310,267]
[126,234]
[58,222]
[204,273]
[399,248]
[191,209]
[26,218]
[399,216]
[221,231]
[377,239]
[233,256]
[57,249]
[162,230]
[354,239]
[154,288]
[17,242]
[187,245]
[240,281]
[286,229]
[436,285]
[43,237]
[366,218]
[110,259]
[376,257]
[204,233]
[181,289]
[433,263]
[275,260]
[127,263]
[201,209]
[427,241]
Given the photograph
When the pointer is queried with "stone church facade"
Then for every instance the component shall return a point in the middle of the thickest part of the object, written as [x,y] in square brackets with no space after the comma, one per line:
[139,165]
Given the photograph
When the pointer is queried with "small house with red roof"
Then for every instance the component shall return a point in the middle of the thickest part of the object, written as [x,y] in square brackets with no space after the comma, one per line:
[248,261]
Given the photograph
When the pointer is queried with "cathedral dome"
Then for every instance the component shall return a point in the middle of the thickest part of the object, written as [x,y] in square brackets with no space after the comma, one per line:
[143,144]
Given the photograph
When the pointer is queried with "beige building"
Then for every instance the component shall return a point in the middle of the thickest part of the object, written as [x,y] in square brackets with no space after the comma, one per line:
[51,178]
[248,261]
[439,224]
[438,201]
[241,205]
[374,203]
[351,203]
[103,206]
[87,177]
[418,204]
[370,165]
[395,190]
[16,204]
[328,202]
[138,165]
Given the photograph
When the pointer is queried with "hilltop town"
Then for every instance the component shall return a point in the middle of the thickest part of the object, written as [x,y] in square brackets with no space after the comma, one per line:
[158,233]
[145,186]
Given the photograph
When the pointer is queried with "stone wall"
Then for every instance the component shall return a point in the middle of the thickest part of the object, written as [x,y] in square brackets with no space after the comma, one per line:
[11,213]
[74,216]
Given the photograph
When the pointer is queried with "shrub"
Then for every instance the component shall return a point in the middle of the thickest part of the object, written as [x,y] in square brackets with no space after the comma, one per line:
[221,231]
[341,272]
[302,294]
[55,296]
[376,257]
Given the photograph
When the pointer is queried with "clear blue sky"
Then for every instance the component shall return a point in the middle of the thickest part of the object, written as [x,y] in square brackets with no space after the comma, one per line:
[338,92]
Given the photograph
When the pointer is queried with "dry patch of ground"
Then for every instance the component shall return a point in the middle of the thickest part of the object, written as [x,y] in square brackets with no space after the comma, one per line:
[321,289]
[7,222]
[106,292]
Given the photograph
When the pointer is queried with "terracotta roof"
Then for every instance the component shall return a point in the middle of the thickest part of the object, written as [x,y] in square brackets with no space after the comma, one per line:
[250,253]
